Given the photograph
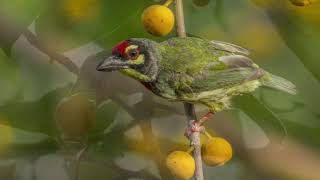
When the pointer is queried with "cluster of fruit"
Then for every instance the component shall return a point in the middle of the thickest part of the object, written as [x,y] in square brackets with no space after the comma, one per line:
[215,152]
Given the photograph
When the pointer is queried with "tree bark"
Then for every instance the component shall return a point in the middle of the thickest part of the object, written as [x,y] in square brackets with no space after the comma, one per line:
[189,108]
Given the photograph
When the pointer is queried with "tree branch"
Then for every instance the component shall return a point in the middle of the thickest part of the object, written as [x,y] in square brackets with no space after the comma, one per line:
[181,30]
[11,31]
[65,61]
[189,108]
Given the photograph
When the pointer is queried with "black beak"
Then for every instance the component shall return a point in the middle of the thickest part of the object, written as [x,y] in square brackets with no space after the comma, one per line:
[112,63]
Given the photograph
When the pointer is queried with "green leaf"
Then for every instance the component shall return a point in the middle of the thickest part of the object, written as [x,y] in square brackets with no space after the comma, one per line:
[36,116]
[300,29]
[9,33]
[15,17]
[71,23]
[262,115]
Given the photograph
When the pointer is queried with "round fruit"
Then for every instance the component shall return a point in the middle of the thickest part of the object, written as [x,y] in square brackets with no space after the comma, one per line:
[181,164]
[217,151]
[6,136]
[302,2]
[75,116]
[158,20]
[80,10]
[200,3]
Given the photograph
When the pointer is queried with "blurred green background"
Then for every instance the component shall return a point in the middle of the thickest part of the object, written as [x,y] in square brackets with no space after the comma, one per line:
[56,123]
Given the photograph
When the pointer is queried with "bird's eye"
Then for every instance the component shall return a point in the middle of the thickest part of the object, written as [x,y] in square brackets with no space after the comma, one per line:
[133,54]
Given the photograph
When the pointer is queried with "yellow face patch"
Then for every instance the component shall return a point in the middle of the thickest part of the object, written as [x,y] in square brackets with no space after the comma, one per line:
[130,48]
[138,59]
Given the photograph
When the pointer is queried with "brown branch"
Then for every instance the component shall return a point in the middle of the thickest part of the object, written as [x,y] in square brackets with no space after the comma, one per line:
[272,162]
[189,108]
[78,159]
[195,141]
[181,30]
[11,30]
[65,61]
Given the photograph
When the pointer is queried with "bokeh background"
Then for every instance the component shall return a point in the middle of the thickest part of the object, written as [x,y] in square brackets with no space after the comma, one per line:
[60,119]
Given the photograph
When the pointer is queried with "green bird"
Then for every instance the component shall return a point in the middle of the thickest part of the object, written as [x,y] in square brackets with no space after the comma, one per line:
[192,70]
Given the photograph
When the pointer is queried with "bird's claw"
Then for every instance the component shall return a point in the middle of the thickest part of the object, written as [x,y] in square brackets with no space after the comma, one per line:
[193,126]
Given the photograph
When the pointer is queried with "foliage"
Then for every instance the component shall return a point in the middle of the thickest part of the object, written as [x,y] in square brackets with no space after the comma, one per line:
[134,130]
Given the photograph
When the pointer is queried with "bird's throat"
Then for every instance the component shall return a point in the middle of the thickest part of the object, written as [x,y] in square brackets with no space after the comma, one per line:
[136,75]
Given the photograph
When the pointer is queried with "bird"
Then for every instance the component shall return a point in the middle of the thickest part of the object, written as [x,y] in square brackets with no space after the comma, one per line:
[192,70]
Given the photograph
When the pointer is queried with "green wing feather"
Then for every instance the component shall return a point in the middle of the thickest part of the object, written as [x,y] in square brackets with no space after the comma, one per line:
[191,67]
[195,65]
[232,48]
[188,55]
[222,79]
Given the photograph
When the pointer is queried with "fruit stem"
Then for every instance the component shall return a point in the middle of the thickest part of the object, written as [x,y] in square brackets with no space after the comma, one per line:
[190,149]
[206,133]
[168,3]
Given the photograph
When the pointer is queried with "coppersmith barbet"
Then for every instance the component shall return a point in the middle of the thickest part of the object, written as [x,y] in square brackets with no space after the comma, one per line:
[192,70]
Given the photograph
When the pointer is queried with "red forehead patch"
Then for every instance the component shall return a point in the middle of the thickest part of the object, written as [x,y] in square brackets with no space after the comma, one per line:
[120,48]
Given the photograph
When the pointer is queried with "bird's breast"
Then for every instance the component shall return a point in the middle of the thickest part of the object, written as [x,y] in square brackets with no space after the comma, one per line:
[161,91]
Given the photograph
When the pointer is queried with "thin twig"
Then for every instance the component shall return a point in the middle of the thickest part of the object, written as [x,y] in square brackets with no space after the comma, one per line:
[194,141]
[65,61]
[181,30]
[78,161]
[189,108]
[9,30]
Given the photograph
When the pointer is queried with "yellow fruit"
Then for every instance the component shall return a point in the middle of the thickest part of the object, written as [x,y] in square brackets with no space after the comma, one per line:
[6,136]
[75,116]
[80,10]
[158,20]
[181,164]
[302,2]
[217,151]
[200,3]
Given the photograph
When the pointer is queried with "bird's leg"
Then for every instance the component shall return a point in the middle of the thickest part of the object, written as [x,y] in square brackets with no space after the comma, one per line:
[205,117]
[196,126]
[193,126]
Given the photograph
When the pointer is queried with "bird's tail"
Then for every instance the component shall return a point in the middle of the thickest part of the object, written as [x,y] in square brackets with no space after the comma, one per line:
[279,83]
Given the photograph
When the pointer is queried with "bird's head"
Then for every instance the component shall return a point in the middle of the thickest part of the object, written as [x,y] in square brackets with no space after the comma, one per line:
[138,58]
